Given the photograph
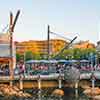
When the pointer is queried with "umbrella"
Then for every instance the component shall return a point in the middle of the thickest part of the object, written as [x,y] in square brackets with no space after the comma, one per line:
[44,61]
[63,61]
[73,61]
[32,61]
[53,61]
[84,60]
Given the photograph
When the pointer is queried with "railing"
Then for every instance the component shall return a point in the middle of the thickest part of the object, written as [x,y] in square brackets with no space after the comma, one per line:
[53,76]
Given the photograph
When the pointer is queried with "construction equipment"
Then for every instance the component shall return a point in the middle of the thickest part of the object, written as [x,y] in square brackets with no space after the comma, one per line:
[11,30]
[65,47]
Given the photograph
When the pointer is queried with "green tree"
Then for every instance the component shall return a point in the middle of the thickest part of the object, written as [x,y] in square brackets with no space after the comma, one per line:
[76,53]
[85,53]
[36,56]
[18,56]
[28,55]
[68,54]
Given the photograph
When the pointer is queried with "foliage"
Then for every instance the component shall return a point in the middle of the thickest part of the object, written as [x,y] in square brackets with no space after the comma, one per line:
[67,54]
[28,55]
[18,56]
[36,56]
[77,53]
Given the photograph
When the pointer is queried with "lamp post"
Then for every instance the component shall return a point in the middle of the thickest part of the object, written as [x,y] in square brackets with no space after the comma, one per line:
[92,73]
[98,56]
[98,52]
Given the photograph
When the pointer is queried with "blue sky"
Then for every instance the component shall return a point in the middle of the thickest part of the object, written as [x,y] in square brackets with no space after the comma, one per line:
[65,17]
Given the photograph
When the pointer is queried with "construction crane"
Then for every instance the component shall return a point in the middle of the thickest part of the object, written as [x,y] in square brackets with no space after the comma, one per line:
[12,24]
[65,47]
[11,30]
[60,36]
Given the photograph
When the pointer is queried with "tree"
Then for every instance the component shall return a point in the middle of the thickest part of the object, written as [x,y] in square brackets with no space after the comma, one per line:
[18,56]
[68,54]
[28,55]
[76,53]
[36,56]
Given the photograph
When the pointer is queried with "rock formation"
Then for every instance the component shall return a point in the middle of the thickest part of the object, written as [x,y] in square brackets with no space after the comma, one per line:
[6,90]
[58,92]
[93,93]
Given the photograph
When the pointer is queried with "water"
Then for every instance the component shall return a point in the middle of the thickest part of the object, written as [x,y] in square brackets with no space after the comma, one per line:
[46,94]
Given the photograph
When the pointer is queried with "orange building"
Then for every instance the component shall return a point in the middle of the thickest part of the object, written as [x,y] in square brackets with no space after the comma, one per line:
[40,46]
[55,46]
[84,45]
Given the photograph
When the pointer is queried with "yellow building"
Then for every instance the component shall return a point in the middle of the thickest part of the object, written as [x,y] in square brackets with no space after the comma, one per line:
[40,46]
[55,46]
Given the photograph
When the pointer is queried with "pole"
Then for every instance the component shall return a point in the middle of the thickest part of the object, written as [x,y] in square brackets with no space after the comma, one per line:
[39,95]
[21,84]
[39,82]
[60,80]
[11,49]
[96,63]
[24,56]
[76,88]
[11,30]
[92,76]
[48,42]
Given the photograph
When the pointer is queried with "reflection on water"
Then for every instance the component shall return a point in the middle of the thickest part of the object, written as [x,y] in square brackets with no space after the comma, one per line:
[46,94]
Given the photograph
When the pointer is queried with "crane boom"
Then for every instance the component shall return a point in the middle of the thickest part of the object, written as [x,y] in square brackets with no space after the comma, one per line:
[60,36]
[11,20]
[65,47]
[11,30]
[14,23]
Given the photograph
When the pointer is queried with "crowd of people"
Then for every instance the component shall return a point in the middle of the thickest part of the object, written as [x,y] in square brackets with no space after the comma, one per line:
[4,70]
[39,68]
[19,69]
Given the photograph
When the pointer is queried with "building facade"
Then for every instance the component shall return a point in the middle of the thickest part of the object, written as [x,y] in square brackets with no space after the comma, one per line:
[40,46]
[84,45]
[55,46]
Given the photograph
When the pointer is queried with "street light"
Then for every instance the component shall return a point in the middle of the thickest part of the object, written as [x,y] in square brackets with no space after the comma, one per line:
[98,52]
[98,56]
[92,72]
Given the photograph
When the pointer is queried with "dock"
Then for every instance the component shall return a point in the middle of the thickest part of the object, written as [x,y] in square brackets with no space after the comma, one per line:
[43,81]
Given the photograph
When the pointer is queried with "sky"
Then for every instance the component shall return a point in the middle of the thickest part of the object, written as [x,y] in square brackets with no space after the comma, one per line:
[69,18]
